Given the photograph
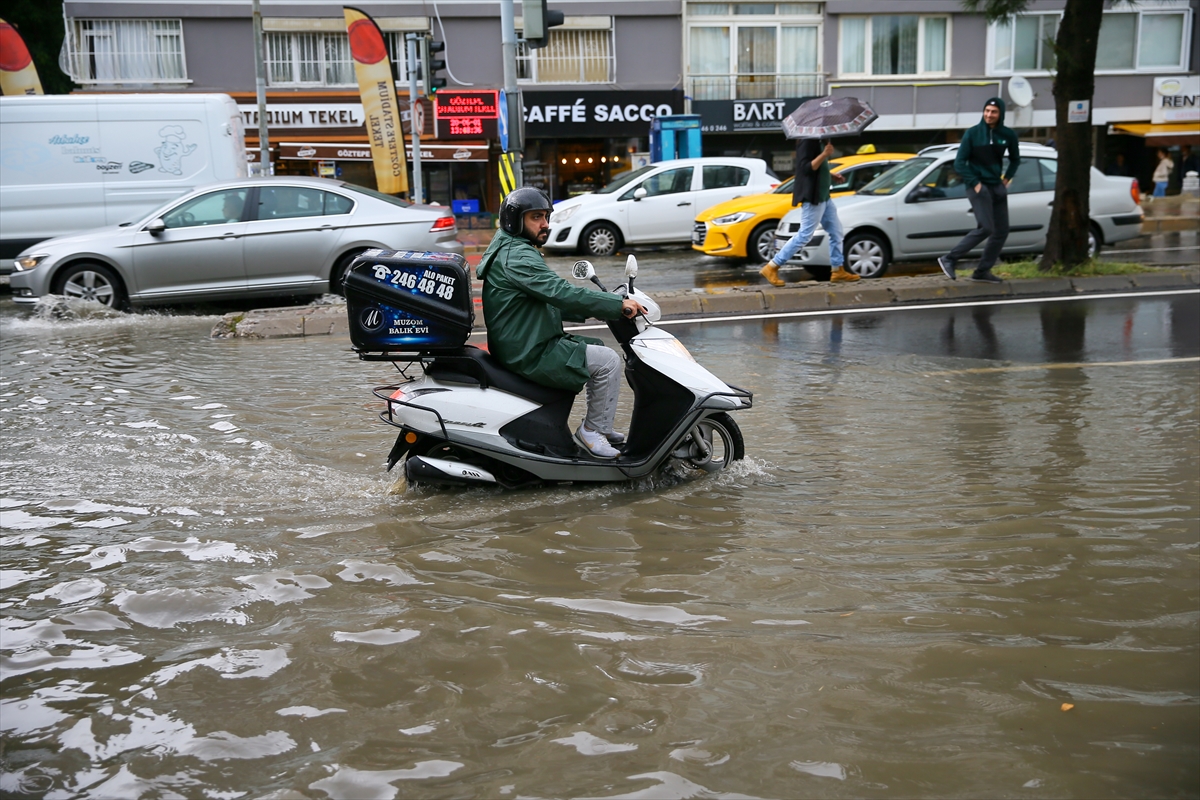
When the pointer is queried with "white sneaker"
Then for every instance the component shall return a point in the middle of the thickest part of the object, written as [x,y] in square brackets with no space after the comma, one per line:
[595,443]
[615,437]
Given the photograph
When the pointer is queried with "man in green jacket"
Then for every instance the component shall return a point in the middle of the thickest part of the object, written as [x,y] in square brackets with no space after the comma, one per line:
[980,163]
[524,305]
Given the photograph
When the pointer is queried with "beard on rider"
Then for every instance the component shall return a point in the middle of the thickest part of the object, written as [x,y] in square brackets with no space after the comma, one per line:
[537,226]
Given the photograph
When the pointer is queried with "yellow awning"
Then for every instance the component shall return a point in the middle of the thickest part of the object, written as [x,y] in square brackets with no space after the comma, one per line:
[1149,131]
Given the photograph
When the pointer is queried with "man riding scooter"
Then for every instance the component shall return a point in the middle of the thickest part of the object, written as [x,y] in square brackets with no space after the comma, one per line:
[524,305]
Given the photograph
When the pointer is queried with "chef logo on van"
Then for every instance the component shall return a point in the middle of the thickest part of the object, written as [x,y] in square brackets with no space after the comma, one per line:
[139,166]
[173,149]
[110,167]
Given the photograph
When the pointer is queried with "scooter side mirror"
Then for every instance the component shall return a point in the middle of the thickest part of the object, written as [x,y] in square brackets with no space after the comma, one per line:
[631,266]
[582,270]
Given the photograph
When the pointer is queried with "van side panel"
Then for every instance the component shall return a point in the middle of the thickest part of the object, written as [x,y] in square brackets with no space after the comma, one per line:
[74,162]
[51,171]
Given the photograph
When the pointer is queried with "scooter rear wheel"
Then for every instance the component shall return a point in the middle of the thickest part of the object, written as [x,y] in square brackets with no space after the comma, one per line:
[720,443]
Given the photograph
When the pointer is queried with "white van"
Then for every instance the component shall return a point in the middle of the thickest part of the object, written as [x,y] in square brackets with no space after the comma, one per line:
[69,163]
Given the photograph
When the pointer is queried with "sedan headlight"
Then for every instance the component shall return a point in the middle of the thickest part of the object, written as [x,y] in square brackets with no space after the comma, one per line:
[30,261]
[563,214]
[733,219]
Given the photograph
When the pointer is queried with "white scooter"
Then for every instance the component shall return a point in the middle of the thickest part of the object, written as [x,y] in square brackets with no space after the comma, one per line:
[468,420]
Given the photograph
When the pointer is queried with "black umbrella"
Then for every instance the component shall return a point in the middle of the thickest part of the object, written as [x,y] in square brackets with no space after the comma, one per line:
[826,117]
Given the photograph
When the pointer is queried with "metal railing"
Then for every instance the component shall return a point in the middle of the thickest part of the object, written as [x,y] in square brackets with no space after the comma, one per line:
[743,86]
[124,51]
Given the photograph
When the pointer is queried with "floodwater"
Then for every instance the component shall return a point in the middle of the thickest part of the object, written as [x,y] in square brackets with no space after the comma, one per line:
[961,559]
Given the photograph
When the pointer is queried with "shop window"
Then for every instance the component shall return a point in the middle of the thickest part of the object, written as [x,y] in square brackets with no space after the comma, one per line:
[1130,40]
[570,56]
[124,51]
[898,45]
[717,176]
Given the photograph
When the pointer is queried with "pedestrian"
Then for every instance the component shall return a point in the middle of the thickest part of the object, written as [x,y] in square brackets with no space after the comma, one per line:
[811,187]
[1162,173]
[1188,161]
[980,163]
[525,305]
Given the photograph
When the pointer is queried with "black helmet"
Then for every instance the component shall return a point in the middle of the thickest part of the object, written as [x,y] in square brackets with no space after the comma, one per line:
[517,203]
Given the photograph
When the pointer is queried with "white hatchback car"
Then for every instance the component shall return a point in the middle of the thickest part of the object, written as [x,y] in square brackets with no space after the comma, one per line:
[655,204]
[919,210]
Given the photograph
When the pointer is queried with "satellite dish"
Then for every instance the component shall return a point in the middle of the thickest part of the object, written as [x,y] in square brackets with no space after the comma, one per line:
[1019,91]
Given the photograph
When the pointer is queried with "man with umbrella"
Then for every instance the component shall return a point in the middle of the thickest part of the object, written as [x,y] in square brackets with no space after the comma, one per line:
[813,123]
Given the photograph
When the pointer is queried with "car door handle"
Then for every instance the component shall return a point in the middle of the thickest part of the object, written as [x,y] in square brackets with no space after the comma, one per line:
[325,228]
[229,235]
[681,205]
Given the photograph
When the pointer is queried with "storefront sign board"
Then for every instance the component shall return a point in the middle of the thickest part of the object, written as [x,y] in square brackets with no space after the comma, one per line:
[1176,99]
[596,114]
[744,116]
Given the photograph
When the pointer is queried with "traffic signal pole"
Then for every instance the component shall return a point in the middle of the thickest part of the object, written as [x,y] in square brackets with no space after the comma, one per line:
[413,58]
[508,45]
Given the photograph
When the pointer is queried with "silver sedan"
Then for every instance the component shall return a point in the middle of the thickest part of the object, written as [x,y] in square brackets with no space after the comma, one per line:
[243,239]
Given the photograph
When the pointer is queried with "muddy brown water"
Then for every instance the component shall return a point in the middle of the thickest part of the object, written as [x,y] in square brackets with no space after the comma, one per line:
[961,559]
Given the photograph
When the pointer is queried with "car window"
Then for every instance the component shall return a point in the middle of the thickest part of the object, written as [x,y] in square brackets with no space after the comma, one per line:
[337,204]
[785,187]
[214,208]
[289,202]
[1048,167]
[897,177]
[721,176]
[841,181]
[867,173]
[624,179]
[945,182]
[1028,177]
[671,181]
[387,198]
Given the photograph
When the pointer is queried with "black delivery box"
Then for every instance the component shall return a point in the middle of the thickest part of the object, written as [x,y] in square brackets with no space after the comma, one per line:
[406,302]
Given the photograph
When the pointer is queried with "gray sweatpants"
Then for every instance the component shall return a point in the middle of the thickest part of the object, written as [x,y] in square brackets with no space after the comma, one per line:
[603,387]
[990,205]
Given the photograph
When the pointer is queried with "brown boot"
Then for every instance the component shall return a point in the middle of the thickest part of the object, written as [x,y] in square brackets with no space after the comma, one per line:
[771,273]
[840,275]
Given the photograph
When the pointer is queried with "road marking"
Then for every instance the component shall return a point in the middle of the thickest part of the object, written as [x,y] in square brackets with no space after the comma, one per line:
[830,312]
[1074,365]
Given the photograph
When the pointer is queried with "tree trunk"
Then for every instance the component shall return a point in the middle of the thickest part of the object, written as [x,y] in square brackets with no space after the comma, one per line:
[1075,50]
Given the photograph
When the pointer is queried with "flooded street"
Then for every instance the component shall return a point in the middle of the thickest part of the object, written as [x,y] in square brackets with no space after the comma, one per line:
[961,559]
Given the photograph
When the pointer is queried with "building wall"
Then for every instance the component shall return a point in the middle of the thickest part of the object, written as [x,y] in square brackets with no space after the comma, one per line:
[220,54]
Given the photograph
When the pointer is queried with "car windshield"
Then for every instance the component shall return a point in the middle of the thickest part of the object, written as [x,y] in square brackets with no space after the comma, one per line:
[387,198]
[785,187]
[897,177]
[623,180]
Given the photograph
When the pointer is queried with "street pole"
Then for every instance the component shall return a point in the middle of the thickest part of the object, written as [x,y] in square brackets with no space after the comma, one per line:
[418,188]
[260,89]
[508,45]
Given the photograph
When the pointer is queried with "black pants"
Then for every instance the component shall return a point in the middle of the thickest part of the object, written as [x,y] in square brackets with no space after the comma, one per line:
[990,205]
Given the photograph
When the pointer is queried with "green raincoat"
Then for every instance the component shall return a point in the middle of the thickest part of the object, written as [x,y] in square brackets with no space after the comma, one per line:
[524,305]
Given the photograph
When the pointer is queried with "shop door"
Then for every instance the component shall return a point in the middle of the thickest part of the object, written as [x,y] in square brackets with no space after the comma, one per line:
[665,214]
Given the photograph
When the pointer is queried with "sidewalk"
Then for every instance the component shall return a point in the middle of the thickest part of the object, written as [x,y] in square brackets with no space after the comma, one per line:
[324,320]
[1176,213]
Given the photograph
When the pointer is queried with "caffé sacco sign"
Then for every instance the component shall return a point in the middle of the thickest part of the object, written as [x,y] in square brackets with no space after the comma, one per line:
[596,113]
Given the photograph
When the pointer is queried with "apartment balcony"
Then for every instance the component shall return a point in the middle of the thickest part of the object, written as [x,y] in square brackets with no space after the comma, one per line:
[754,86]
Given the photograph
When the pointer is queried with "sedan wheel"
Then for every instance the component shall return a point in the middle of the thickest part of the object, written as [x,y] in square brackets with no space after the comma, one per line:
[93,282]
[601,239]
[1093,241]
[866,255]
[762,242]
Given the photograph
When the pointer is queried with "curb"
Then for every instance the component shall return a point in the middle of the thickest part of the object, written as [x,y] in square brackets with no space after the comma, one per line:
[326,320]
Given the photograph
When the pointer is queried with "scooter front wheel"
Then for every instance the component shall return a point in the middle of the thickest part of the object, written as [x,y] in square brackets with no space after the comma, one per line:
[712,444]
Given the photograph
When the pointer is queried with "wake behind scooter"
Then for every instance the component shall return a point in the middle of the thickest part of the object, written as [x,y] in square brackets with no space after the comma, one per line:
[467,420]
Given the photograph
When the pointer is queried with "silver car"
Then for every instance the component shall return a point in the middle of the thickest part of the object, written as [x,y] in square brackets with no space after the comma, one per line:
[918,210]
[242,239]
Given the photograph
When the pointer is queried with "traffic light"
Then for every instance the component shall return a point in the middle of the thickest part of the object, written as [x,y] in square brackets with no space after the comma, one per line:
[430,66]
[538,20]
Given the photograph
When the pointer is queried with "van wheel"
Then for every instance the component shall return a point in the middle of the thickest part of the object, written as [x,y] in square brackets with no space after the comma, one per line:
[337,275]
[601,239]
[94,282]
[762,242]
[867,255]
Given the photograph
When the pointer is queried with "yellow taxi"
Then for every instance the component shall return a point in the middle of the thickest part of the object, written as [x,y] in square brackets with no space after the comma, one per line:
[745,226]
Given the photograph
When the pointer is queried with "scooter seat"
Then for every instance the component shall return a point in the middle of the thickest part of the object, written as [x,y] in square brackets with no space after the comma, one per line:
[472,365]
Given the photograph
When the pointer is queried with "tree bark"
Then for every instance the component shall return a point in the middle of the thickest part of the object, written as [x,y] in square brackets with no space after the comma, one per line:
[1075,50]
